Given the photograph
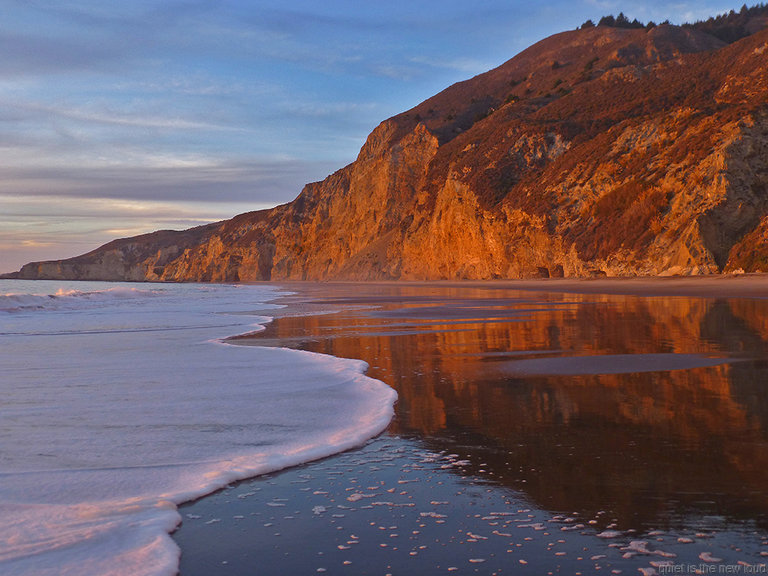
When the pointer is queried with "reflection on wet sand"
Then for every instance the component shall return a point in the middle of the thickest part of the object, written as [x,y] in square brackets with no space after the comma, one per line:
[668,426]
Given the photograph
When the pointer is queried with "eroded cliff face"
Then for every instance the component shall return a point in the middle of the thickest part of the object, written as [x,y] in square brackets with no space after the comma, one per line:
[595,152]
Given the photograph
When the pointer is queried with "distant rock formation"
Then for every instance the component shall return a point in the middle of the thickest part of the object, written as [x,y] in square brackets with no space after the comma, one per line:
[601,151]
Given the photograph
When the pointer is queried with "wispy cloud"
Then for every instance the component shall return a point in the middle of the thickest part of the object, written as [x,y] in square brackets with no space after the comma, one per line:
[458,64]
[83,115]
[36,244]
[171,179]
[31,55]
[315,109]
[603,4]
[59,226]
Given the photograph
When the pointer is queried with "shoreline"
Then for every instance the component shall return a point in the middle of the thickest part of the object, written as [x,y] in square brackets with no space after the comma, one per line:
[704,286]
[747,285]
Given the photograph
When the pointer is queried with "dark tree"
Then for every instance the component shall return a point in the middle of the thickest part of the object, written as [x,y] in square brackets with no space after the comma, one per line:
[733,25]
[607,21]
[622,21]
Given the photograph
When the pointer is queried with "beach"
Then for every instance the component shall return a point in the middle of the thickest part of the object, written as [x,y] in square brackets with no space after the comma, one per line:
[561,426]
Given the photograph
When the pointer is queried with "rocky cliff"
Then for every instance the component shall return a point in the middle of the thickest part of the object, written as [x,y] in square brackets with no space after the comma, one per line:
[601,151]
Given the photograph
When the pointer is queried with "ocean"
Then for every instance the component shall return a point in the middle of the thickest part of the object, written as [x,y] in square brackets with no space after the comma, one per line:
[121,401]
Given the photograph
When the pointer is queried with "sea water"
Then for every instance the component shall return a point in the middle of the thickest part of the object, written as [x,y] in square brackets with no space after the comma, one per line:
[120,401]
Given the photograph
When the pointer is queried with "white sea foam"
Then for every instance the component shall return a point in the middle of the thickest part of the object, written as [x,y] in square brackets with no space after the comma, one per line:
[69,298]
[116,407]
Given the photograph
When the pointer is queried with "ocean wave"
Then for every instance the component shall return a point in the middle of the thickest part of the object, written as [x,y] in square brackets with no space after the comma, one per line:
[69,298]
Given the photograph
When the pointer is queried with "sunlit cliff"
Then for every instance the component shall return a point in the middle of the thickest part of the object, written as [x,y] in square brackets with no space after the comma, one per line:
[599,151]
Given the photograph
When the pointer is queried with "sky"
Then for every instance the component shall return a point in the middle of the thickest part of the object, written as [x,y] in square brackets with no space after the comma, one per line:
[120,118]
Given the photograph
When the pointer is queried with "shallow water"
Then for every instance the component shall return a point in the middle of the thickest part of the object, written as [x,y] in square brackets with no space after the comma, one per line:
[645,419]
[120,401]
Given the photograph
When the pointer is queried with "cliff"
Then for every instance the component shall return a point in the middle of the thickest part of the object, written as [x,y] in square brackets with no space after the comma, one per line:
[600,151]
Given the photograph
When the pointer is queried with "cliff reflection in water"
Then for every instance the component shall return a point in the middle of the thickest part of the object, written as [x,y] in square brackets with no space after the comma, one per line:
[668,428]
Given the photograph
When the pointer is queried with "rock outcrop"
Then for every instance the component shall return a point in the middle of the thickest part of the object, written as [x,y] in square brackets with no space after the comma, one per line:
[600,151]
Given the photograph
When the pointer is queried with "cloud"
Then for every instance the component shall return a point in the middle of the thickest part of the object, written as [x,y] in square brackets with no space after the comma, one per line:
[36,244]
[104,116]
[97,38]
[458,64]
[603,4]
[259,182]
[118,119]
[316,109]
[57,226]
[30,55]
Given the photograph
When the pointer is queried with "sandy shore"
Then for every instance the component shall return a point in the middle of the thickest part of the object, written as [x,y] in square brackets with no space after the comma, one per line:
[719,286]
[738,285]
[487,469]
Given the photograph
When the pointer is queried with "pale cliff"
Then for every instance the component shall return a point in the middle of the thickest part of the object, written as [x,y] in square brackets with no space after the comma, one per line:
[600,151]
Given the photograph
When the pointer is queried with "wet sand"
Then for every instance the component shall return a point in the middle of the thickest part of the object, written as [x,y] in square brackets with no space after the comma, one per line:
[542,427]
[723,286]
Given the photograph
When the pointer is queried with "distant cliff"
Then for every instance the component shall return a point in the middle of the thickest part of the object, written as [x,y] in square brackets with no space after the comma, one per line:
[601,151]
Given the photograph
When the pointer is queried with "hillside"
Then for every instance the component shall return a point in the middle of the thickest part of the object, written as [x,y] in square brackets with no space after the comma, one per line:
[600,151]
